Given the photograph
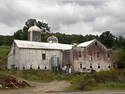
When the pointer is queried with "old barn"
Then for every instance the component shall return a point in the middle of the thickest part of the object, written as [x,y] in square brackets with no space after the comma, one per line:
[51,55]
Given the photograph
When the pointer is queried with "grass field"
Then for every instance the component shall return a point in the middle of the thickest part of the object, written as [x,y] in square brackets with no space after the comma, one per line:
[3,56]
[4,50]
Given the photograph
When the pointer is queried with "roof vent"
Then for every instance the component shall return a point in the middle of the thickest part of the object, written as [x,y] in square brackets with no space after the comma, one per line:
[52,39]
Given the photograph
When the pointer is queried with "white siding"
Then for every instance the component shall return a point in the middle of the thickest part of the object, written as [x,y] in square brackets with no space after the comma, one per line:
[33,57]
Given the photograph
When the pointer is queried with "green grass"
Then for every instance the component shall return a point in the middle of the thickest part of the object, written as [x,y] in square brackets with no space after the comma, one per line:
[78,81]
[3,56]
[107,86]
[39,75]
[4,50]
[104,80]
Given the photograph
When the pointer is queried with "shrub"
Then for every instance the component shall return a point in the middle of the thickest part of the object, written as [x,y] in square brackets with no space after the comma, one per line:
[87,81]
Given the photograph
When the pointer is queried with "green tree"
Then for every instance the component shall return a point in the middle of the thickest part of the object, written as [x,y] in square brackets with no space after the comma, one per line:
[119,57]
[107,39]
[22,34]
[119,42]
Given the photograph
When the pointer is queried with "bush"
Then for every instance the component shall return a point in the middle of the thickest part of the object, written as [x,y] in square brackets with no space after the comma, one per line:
[88,81]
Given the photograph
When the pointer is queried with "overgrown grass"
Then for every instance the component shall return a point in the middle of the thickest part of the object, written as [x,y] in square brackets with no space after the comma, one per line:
[40,75]
[4,50]
[104,80]
[3,56]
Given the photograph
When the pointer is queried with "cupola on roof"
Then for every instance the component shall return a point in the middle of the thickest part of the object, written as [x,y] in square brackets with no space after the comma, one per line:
[34,28]
[52,39]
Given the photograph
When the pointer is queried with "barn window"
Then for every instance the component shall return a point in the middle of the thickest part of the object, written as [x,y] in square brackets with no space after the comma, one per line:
[38,67]
[13,66]
[23,68]
[30,66]
[45,67]
[109,66]
[43,56]
[81,66]
[79,53]
[90,58]
[98,66]
[90,65]
[96,43]
[108,55]
[98,54]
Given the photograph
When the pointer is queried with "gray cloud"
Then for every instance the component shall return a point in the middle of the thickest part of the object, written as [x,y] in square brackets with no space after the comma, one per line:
[66,16]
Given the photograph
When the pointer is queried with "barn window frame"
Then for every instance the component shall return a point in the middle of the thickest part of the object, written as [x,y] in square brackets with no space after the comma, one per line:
[99,66]
[31,67]
[108,55]
[43,56]
[90,58]
[80,55]
[96,43]
[38,67]
[98,54]
[45,68]
[91,65]
[23,67]
[80,66]
[109,66]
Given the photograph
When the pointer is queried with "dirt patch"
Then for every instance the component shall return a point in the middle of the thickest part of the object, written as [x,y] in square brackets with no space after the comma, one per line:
[55,87]
[40,88]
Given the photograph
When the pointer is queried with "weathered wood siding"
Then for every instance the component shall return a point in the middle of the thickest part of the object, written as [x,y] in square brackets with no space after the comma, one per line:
[95,55]
[13,56]
[25,58]
[67,60]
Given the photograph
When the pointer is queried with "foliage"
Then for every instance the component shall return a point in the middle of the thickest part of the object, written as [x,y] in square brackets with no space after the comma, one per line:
[107,39]
[6,40]
[115,78]
[3,76]
[33,75]
[22,34]
[3,56]
[4,50]
[119,57]
[40,75]
[104,80]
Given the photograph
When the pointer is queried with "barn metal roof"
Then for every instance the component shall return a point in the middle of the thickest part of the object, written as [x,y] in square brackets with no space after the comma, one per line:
[85,44]
[42,45]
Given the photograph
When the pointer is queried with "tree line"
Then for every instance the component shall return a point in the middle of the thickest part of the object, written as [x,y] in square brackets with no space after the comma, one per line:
[106,38]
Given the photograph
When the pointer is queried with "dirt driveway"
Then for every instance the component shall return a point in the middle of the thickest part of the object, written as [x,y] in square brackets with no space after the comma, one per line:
[41,88]
[55,87]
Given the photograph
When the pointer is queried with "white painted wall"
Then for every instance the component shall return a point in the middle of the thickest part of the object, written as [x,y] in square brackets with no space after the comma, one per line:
[27,57]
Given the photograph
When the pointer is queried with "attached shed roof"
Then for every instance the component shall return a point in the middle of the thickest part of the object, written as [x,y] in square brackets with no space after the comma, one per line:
[85,44]
[42,45]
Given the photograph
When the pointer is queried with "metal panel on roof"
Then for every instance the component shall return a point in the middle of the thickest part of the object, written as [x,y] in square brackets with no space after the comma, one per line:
[42,45]
[85,44]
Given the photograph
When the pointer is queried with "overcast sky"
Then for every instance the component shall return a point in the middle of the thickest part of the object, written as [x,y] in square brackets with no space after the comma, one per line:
[66,16]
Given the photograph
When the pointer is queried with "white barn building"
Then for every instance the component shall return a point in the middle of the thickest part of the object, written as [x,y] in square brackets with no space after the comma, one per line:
[34,54]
